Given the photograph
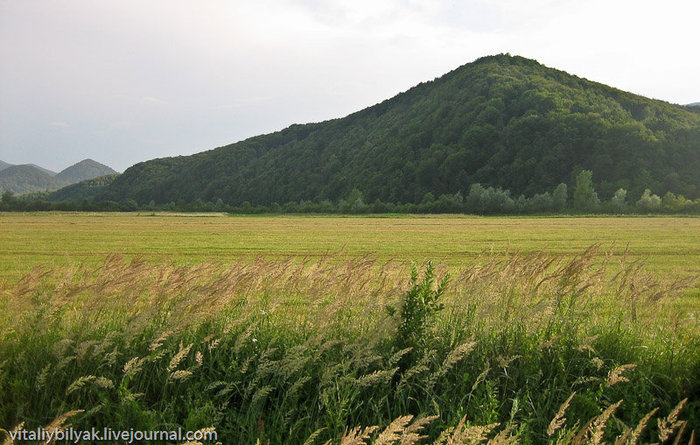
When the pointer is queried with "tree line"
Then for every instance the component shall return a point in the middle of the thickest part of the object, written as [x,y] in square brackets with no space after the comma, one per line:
[479,200]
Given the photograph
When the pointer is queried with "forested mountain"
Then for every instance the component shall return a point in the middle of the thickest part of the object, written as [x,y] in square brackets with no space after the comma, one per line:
[28,178]
[501,121]
[85,169]
[4,165]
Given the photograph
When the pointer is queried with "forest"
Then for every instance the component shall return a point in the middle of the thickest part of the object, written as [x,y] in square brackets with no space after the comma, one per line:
[480,200]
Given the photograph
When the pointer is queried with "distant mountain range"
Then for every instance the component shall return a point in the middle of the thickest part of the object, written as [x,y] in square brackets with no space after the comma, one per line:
[28,178]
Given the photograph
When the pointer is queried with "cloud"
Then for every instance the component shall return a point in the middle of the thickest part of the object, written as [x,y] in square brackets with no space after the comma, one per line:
[153,100]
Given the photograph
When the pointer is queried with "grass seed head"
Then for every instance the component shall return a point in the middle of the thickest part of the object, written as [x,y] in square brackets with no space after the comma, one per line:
[559,419]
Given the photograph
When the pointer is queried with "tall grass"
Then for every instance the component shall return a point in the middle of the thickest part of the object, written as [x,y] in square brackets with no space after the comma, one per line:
[526,347]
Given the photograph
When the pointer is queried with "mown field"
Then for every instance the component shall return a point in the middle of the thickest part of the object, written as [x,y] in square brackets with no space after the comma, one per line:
[288,330]
[669,245]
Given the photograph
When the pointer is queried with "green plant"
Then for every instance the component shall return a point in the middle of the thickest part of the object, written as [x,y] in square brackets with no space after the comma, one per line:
[419,307]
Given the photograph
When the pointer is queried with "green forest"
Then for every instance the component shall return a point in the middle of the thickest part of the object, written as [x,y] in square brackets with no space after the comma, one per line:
[480,200]
[503,134]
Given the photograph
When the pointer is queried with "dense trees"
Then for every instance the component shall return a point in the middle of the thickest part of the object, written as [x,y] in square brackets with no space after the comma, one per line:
[85,189]
[503,122]
[481,200]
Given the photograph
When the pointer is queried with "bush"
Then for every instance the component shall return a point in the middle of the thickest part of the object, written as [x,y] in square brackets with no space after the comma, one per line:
[418,308]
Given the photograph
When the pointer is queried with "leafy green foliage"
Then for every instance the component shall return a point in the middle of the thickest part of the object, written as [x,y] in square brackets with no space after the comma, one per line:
[617,202]
[649,202]
[419,308]
[585,196]
[85,189]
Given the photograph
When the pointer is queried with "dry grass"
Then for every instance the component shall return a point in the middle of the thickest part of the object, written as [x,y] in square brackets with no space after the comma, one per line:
[189,321]
[532,286]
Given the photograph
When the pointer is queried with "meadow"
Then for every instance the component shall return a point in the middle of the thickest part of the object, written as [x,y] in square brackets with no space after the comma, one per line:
[669,245]
[340,330]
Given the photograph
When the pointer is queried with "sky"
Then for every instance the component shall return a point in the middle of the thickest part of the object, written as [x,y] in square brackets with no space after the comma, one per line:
[124,81]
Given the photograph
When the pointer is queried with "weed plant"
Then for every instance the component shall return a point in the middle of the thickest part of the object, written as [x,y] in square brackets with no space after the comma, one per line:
[521,348]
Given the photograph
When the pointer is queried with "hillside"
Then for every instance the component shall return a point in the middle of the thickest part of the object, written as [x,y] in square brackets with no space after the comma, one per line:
[4,165]
[45,170]
[82,190]
[30,178]
[27,178]
[500,121]
[85,169]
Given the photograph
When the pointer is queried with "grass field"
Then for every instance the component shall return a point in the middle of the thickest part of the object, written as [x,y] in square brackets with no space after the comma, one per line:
[670,245]
[283,330]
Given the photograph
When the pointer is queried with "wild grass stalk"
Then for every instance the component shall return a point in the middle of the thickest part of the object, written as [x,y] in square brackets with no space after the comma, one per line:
[527,347]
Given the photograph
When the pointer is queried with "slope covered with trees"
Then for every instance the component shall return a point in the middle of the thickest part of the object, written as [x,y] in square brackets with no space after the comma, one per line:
[82,190]
[501,121]
[28,178]
[35,182]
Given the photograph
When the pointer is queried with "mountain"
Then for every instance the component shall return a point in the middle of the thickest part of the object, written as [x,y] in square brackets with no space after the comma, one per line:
[4,165]
[30,178]
[27,178]
[694,104]
[500,121]
[45,170]
[85,169]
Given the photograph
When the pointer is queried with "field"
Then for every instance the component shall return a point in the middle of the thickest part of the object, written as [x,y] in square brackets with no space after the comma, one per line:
[338,330]
[669,245]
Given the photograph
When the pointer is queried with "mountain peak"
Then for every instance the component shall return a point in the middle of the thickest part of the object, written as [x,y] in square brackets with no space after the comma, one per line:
[28,178]
[85,169]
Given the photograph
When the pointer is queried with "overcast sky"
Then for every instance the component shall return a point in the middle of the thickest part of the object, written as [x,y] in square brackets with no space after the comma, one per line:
[122,81]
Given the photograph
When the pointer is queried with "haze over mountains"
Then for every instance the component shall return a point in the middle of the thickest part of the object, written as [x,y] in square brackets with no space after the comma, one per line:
[29,178]
[500,121]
